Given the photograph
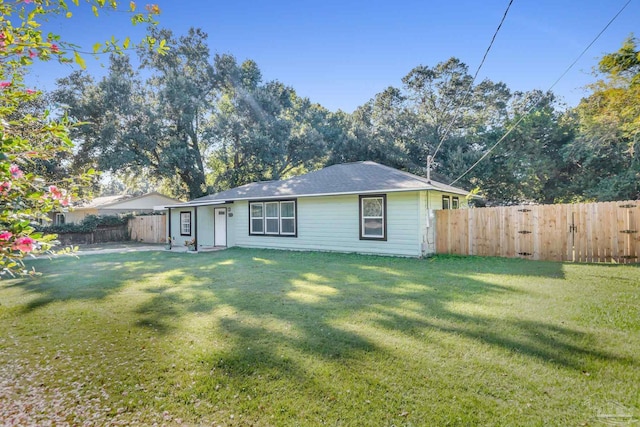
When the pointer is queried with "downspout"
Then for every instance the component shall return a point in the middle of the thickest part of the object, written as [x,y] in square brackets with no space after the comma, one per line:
[428,213]
[428,222]
[428,242]
[169,233]
[195,222]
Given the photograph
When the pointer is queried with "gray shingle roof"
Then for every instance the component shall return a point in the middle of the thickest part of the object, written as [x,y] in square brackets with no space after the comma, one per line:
[106,201]
[99,202]
[346,178]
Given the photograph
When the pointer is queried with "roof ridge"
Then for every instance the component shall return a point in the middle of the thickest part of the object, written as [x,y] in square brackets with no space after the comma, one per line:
[348,163]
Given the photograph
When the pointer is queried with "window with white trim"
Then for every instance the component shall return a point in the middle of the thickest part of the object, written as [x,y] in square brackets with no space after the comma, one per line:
[455,203]
[373,221]
[288,218]
[256,225]
[185,223]
[60,219]
[446,202]
[273,218]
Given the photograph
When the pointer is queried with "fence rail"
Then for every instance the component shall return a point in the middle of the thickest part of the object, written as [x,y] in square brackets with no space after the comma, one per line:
[148,228]
[117,233]
[587,232]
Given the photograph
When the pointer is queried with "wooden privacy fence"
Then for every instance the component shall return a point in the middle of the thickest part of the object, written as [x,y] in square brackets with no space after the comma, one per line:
[148,228]
[102,234]
[587,232]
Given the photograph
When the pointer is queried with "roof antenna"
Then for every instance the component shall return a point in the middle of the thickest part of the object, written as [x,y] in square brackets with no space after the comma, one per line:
[429,163]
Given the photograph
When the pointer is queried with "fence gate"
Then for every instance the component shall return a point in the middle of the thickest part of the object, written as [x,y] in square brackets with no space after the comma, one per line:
[524,233]
[148,228]
[589,232]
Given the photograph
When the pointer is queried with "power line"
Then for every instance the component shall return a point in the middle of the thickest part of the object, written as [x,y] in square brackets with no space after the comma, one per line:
[543,95]
[464,99]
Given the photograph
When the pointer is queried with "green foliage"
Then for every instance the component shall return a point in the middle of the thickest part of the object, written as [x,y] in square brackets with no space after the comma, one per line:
[380,130]
[606,151]
[89,224]
[31,142]
[529,165]
[450,112]
[191,114]
[154,128]
[263,131]
[625,63]
[154,213]
[401,127]
[197,126]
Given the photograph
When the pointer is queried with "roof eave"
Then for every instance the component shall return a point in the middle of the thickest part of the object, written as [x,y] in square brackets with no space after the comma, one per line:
[192,205]
[345,193]
[125,199]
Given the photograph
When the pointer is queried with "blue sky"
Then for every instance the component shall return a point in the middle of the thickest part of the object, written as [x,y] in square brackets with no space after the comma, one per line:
[341,53]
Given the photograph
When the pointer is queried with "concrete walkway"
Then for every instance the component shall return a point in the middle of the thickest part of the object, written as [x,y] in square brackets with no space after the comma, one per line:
[115,248]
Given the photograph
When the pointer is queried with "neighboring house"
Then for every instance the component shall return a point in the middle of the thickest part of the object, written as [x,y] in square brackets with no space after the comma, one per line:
[361,207]
[114,205]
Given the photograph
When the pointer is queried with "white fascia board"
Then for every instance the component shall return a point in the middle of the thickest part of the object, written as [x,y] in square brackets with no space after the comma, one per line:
[285,196]
[194,204]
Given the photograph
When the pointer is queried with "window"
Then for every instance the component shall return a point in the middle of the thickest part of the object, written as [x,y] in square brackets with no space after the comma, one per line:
[273,218]
[373,221]
[60,219]
[445,202]
[257,218]
[288,218]
[455,203]
[185,223]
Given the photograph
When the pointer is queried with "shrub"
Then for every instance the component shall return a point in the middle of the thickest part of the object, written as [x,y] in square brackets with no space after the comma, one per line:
[88,225]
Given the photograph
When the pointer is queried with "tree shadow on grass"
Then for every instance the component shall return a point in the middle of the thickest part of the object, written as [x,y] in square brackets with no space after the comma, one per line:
[299,301]
[169,303]
[549,343]
[263,302]
[90,277]
[293,318]
[74,283]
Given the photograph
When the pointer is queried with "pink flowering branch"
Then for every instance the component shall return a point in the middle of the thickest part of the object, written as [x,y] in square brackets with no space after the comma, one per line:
[23,244]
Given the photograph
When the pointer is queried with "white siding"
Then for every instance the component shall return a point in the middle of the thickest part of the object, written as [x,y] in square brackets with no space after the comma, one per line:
[431,201]
[205,226]
[177,239]
[332,224]
[428,201]
[435,199]
[140,204]
[232,221]
[146,202]
[76,216]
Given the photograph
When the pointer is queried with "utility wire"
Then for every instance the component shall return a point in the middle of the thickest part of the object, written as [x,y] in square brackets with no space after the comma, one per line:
[543,95]
[464,99]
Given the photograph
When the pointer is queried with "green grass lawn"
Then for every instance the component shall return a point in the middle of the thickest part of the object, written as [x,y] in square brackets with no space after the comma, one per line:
[257,337]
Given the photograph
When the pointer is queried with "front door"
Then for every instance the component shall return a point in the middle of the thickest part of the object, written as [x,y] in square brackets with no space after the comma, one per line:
[220,226]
